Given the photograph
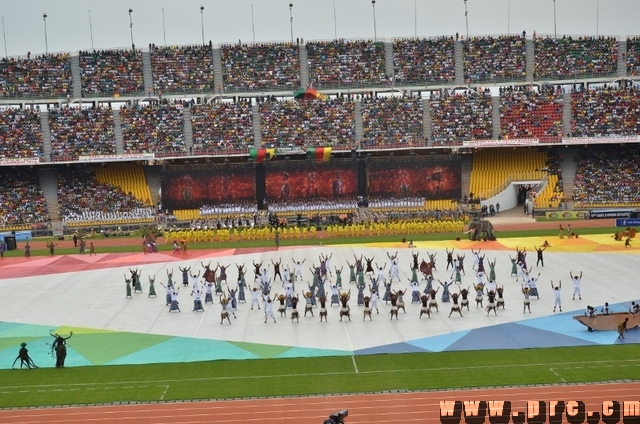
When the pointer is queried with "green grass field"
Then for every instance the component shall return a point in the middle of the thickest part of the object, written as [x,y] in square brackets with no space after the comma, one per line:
[328,375]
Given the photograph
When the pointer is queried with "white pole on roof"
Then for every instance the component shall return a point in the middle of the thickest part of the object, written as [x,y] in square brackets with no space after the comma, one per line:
[131,27]
[91,30]
[4,36]
[164,31]
[253,26]
[46,41]
[335,22]
[202,22]
[375,30]
[291,20]
[555,27]
[466,18]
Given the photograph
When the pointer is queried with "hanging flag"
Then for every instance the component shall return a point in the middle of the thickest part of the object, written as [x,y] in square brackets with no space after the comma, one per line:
[262,154]
[319,154]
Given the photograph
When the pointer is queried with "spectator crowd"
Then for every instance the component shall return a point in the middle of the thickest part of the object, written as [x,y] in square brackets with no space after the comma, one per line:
[424,60]
[633,56]
[220,128]
[81,132]
[342,63]
[579,57]
[178,69]
[460,116]
[315,123]
[22,200]
[488,58]
[392,122]
[82,199]
[250,67]
[20,133]
[155,128]
[606,175]
[111,72]
[46,75]
[605,111]
[531,113]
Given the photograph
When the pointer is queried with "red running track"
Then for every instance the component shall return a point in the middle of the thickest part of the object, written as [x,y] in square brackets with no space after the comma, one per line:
[415,407]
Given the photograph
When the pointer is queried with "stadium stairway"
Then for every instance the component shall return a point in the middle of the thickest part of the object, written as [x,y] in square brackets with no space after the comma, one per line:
[359,124]
[153,176]
[622,58]
[77,79]
[531,59]
[49,184]
[117,132]
[257,135]
[426,120]
[147,73]
[217,68]
[495,116]
[388,59]
[46,135]
[466,164]
[566,114]
[458,54]
[304,65]
[568,167]
[188,130]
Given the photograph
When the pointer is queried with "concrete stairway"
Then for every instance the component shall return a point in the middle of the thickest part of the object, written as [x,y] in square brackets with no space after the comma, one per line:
[304,65]
[622,58]
[77,79]
[188,130]
[154,181]
[117,132]
[531,59]
[217,70]
[459,56]
[388,59]
[49,184]
[466,164]
[46,135]
[359,124]
[495,116]
[426,121]
[257,134]
[147,72]
[568,167]
[566,114]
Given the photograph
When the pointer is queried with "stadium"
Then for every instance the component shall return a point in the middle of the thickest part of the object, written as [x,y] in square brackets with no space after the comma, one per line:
[333,143]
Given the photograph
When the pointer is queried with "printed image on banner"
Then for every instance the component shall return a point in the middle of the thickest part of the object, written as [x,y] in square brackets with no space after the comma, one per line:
[418,178]
[310,180]
[188,189]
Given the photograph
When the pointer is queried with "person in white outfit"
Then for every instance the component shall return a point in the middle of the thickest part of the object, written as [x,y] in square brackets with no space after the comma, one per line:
[556,294]
[576,285]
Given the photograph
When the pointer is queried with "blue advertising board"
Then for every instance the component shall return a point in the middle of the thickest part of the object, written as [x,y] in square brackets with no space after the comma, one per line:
[627,222]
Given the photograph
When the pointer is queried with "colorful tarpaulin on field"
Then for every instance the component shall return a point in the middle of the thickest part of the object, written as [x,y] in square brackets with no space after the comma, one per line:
[262,154]
[309,94]
[319,154]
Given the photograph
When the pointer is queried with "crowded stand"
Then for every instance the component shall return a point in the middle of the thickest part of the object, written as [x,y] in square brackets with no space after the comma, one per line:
[605,111]
[460,116]
[20,133]
[488,58]
[392,122]
[579,57]
[111,72]
[84,201]
[606,176]
[292,123]
[242,208]
[154,128]
[424,60]
[46,75]
[23,203]
[179,69]
[263,67]
[342,63]
[531,113]
[315,206]
[81,132]
[633,56]
[222,128]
